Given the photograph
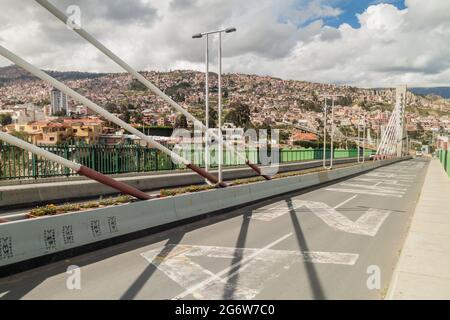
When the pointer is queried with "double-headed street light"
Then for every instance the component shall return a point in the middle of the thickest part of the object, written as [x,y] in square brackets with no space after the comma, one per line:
[219,103]
[362,122]
[333,97]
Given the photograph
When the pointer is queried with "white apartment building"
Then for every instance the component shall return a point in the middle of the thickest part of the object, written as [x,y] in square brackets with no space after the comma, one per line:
[59,102]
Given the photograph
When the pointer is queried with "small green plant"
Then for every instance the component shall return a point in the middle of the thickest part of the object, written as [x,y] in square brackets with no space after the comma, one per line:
[194,188]
[90,205]
[197,188]
[247,180]
[51,209]
[47,210]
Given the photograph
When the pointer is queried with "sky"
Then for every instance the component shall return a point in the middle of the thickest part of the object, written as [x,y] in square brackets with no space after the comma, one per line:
[365,43]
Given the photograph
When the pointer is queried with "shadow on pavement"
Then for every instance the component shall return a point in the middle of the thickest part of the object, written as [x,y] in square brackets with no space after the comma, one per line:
[139,283]
[314,281]
[20,284]
[240,243]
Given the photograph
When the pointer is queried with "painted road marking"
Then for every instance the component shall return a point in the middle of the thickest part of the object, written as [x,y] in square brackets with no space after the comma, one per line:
[227,270]
[345,202]
[374,190]
[368,192]
[375,187]
[395,173]
[270,213]
[388,175]
[383,181]
[368,224]
[256,266]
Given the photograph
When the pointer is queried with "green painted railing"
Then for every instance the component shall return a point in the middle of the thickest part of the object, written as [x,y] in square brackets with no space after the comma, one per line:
[16,163]
[444,158]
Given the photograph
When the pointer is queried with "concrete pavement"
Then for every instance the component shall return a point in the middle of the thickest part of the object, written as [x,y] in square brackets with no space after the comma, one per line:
[339,241]
[423,271]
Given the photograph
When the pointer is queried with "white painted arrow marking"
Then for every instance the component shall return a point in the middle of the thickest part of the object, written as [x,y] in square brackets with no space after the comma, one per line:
[368,224]
[270,213]
[345,202]
[254,268]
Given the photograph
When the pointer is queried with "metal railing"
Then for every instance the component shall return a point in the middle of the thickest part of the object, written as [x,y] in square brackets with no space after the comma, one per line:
[16,163]
[444,158]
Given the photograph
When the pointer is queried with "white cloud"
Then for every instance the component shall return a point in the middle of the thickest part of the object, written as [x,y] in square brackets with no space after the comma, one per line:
[285,38]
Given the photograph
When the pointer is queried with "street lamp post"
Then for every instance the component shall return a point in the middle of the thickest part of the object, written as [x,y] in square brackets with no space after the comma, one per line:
[363,140]
[325,134]
[219,107]
[219,102]
[331,134]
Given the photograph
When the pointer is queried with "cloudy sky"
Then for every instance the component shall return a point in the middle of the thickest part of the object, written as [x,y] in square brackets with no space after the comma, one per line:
[370,43]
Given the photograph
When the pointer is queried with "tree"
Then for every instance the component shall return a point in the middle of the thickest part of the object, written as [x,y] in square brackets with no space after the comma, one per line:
[126,115]
[310,105]
[138,117]
[20,135]
[344,101]
[284,136]
[5,119]
[111,107]
[135,85]
[181,121]
[60,113]
[212,118]
[239,115]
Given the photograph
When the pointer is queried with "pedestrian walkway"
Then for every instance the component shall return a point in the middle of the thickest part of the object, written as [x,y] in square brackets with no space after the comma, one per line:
[423,271]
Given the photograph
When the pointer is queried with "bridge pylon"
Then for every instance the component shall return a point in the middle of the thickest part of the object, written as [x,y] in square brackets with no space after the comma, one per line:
[392,141]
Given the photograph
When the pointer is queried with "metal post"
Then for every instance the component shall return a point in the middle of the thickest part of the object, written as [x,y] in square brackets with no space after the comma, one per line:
[359,140]
[379,129]
[325,134]
[219,109]
[207,106]
[332,134]
[364,143]
[333,97]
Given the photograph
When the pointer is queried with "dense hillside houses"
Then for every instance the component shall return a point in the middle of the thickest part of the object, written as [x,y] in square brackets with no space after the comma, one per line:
[271,101]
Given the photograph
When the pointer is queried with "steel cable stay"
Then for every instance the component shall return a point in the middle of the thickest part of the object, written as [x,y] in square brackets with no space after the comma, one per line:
[107,115]
[82,170]
[88,37]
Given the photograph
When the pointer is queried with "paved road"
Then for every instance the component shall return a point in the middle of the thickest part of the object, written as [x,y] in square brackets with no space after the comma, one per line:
[328,243]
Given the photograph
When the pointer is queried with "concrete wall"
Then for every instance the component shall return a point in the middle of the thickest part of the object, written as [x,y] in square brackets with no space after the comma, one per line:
[67,189]
[28,239]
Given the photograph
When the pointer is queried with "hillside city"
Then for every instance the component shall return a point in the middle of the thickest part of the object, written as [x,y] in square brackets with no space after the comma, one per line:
[225,159]
[33,109]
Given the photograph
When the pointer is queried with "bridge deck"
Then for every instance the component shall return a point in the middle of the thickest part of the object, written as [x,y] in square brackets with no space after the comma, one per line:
[322,243]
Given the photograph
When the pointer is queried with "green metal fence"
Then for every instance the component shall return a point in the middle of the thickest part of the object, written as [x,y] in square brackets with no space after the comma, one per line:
[444,158]
[16,163]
